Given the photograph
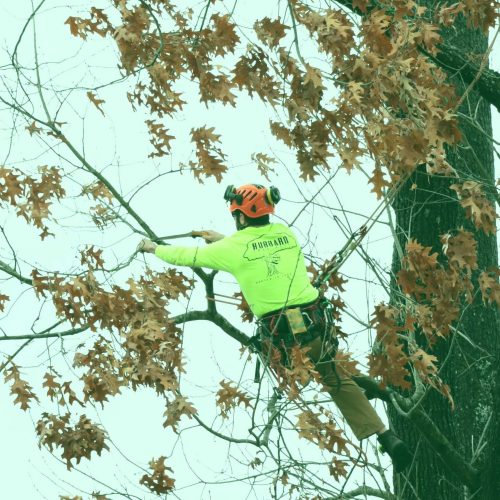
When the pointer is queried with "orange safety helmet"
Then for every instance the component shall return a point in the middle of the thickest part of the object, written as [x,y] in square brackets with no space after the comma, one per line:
[253,200]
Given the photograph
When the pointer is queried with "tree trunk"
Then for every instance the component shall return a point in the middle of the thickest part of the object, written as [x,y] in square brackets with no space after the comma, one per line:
[471,369]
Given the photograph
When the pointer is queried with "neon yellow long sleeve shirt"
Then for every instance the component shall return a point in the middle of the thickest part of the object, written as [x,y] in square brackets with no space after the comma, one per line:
[266,261]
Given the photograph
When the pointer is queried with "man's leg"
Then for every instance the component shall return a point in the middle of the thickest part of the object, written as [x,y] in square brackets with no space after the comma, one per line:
[355,407]
[351,400]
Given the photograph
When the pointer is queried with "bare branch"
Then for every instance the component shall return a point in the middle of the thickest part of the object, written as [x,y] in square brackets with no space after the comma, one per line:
[35,336]
[9,270]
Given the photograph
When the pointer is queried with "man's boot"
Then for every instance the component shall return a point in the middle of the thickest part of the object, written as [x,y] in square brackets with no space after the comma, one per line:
[397,450]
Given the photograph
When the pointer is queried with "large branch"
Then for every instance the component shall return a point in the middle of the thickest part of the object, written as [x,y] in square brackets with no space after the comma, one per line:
[452,460]
[10,270]
[217,319]
[452,60]
[363,492]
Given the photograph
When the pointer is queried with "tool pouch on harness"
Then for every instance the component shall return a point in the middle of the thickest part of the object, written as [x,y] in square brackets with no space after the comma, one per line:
[299,325]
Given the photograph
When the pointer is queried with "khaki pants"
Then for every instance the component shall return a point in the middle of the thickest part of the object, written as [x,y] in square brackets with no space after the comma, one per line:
[351,400]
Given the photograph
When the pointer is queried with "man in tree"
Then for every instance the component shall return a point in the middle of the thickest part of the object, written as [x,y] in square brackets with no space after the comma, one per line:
[266,260]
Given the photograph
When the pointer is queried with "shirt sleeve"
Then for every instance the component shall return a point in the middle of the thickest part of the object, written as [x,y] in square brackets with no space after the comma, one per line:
[219,255]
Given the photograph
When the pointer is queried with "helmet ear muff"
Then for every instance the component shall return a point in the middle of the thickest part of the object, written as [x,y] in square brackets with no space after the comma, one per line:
[230,195]
[273,195]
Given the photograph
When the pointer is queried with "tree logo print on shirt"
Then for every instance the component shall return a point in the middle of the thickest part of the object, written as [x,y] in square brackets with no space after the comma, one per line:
[272,262]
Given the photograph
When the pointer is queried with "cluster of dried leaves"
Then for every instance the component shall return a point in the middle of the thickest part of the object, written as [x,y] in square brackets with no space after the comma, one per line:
[375,95]
[434,293]
[150,353]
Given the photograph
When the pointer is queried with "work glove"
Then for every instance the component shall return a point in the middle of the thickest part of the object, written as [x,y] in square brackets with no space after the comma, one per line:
[146,246]
[211,236]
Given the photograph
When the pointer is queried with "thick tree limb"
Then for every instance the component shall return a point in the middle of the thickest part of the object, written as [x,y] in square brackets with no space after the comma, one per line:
[216,318]
[365,491]
[9,270]
[452,460]
[451,59]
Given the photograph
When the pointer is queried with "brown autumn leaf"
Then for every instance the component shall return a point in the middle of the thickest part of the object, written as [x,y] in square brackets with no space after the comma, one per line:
[461,250]
[385,322]
[326,435]
[337,469]
[430,37]
[97,24]
[11,188]
[98,191]
[223,38]
[477,206]
[489,286]
[424,363]
[379,182]
[264,164]
[76,441]
[20,388]
[175,409]
[447,14]
[229,397]
[313,76]
[346,364]
[96,101]
[158,481]
[92,257]
[160,139]
[246,313]
[210,156]
[33,128]
[52,385]
[390,366]
[3,299]
[270,32]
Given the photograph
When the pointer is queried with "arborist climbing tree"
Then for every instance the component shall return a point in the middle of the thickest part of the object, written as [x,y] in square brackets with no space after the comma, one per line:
[267,261]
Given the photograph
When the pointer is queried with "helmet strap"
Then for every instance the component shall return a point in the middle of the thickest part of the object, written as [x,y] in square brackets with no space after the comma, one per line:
[239,225]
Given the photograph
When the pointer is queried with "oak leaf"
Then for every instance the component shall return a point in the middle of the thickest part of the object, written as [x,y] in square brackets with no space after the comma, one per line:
[175,409]
[229,397]
[461,250]
[3,300]
[270,32]
[158,481]
[33,129]
[489,286]
[20,388]
[246,313]
[264,163]
[95,101]
[424,363]
[477,207]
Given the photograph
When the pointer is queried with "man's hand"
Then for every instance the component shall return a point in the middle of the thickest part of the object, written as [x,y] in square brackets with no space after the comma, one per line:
[211,236]
[146,246]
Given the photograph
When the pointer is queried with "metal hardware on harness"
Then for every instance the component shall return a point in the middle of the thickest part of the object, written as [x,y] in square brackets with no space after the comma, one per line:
[279,329]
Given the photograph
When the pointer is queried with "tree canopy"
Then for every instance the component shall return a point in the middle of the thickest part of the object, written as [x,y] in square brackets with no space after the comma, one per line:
[356,90]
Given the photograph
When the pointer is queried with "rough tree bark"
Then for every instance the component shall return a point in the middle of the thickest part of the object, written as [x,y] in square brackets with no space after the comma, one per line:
[471,366]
